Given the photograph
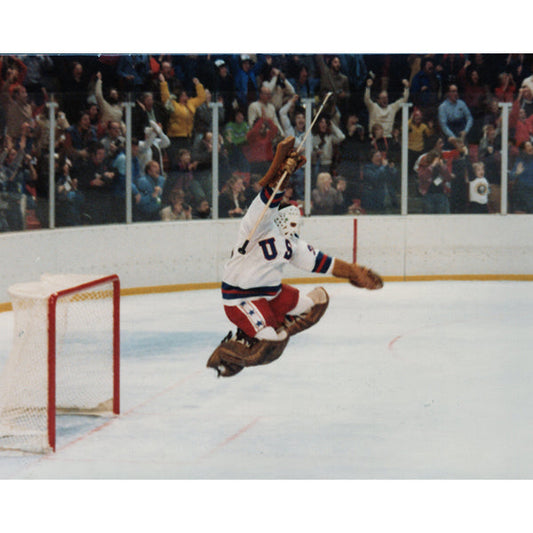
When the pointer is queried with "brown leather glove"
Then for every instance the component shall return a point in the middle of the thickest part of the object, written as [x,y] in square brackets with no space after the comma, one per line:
[286,159]
[293,162]
[359,276]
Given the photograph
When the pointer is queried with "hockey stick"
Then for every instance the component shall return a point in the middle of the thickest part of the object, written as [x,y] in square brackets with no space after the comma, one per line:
[242,249]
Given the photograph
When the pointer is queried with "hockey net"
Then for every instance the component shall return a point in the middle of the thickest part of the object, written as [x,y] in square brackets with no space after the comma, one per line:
[64,359]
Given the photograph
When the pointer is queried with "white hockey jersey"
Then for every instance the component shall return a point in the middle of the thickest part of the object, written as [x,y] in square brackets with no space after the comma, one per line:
[258,273]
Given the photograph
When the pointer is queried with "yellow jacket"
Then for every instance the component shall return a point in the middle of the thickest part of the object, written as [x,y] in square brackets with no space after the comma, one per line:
[181,119]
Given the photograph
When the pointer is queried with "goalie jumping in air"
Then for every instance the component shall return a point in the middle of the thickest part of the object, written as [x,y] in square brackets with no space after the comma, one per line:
[266,311]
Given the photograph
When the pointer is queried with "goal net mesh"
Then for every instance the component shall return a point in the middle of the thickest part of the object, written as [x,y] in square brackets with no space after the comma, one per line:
[83,358]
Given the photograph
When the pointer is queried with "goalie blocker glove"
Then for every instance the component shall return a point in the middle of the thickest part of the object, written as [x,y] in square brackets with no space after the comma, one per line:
[359,276]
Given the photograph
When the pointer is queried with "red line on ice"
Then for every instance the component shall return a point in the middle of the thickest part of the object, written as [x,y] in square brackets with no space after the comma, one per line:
[232,437]
[391,343]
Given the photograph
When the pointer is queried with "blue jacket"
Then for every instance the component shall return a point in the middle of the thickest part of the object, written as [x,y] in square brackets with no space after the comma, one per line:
[148,204]
[455,117]
[525,177]
[242,78]
[136,65]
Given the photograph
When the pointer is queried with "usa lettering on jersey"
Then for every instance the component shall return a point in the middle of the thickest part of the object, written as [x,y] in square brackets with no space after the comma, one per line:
[258,273]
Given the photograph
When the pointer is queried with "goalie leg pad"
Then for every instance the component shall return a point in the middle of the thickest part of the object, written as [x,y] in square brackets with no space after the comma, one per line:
[297,323]
[238,351]
[224,367]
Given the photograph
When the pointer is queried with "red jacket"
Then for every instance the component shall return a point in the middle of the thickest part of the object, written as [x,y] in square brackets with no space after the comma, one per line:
[428,174]
[260,147]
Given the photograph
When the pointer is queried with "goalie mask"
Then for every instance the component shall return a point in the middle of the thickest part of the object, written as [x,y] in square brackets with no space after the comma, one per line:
[288,221]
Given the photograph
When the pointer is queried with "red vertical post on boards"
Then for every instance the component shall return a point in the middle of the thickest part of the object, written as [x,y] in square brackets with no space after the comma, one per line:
[116,345]
[52,371]
[355,240]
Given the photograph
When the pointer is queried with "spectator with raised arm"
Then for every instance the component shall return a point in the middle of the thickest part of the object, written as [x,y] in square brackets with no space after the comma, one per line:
[326,138]
[426,87]
[380,184]
[279,85]
[296,129]
[202,152]
[259,150]
[522,109]
[14,100]
[116,158]
[203,118]
[133,71]
[334,81]
[69,200]
[506,89]
[146,111]
[294,126]
[167,70]
[263,108]
[304,86]
[39,67]
[475,96]
[352,154]
[245,72]
[16,171]
[492,115]
[152,145]
[522,128]
[419,134]
[434,183]
[74,85]
[12,64]
[181,119]
[381,111]
[111,109]
[224,86]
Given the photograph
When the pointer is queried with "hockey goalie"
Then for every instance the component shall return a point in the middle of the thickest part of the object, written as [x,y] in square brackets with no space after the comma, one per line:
[266,311]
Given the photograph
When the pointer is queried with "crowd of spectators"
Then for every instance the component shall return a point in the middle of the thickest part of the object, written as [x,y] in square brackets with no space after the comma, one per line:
[454,133]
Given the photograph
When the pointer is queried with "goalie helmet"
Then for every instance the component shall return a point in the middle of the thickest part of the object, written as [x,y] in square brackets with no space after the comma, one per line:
[288,221]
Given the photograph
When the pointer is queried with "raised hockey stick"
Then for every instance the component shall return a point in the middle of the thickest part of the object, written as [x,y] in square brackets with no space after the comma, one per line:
[242,249]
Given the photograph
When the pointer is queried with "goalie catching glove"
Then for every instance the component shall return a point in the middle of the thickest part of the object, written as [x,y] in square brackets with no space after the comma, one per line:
[357,275]
[286,161]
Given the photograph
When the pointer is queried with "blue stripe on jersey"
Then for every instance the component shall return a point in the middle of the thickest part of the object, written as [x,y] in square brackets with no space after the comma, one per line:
[266,193]
[229,292]
[322,263]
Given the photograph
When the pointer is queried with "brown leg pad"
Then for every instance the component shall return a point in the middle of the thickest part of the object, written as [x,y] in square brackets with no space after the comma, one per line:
[296,324]
[231,356]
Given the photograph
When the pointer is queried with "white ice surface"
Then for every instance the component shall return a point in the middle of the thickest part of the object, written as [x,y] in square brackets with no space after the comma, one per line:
[422,380]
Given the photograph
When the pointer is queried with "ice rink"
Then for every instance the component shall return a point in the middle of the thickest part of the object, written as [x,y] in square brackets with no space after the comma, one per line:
[422,380]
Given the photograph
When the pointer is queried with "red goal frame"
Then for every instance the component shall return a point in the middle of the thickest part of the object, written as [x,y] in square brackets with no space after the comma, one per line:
[52,305]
